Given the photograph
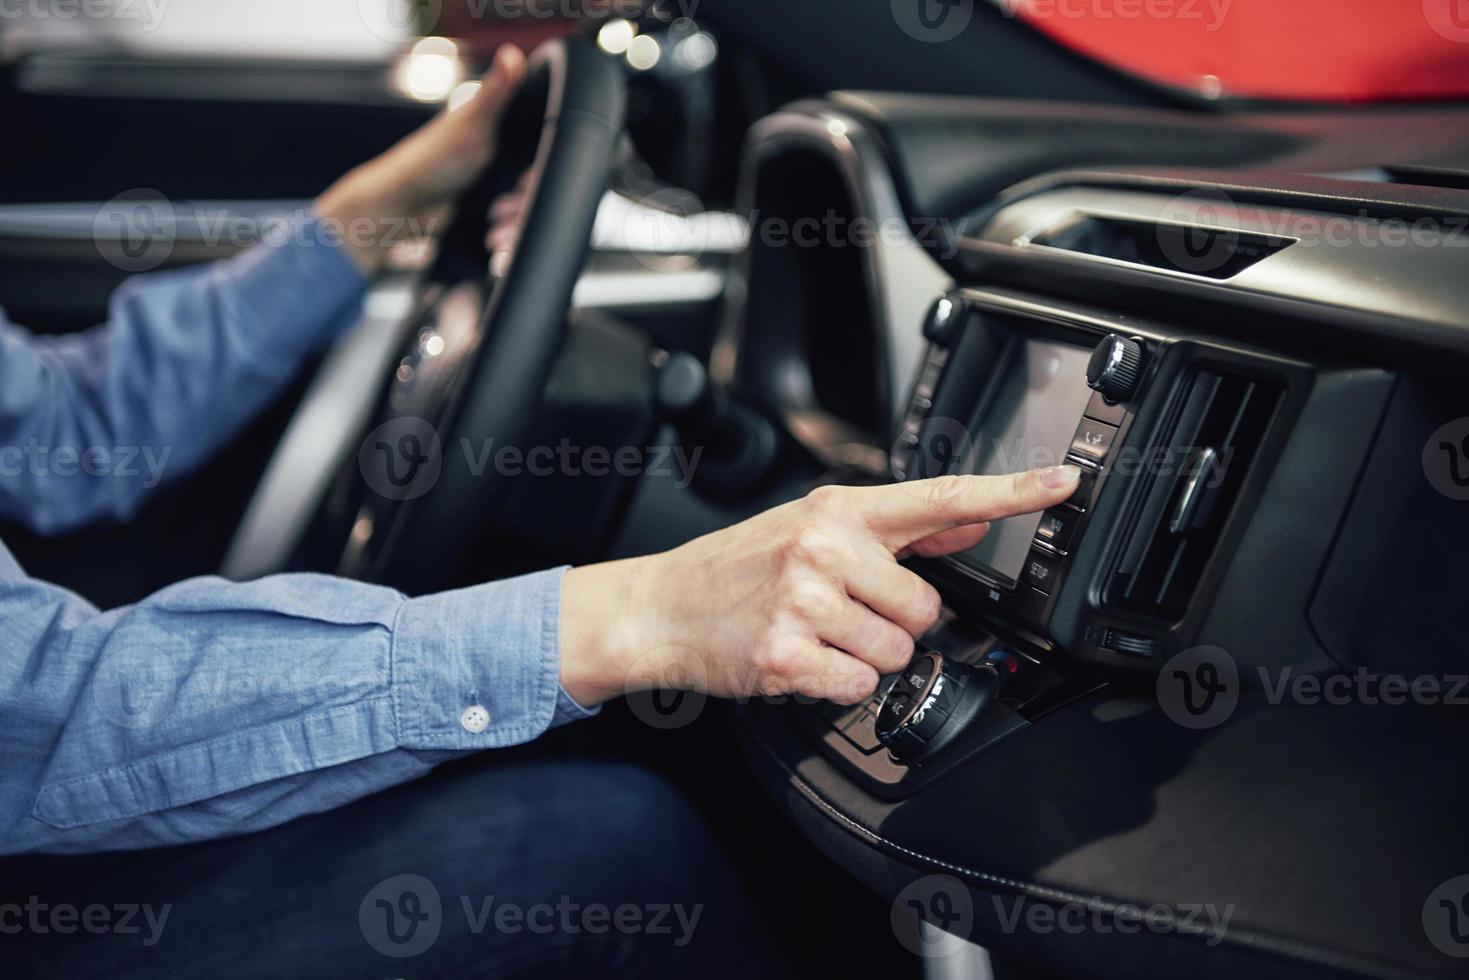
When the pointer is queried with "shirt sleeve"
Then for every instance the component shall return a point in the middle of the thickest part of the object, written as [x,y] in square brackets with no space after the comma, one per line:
[215,708]
[91,422]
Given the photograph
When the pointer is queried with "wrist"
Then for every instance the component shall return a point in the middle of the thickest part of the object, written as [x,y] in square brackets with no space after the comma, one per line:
[606,625]
[355,217]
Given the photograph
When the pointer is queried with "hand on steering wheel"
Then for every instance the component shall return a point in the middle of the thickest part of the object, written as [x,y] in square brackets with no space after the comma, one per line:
[553,123]
[414,182]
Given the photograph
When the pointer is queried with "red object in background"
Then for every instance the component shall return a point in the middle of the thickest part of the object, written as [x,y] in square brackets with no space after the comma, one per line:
[1303,50]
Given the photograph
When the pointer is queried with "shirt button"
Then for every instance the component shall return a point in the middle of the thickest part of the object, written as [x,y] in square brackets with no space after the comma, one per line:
[476,718]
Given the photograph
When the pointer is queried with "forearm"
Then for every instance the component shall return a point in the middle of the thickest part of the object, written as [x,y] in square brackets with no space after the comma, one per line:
[90,423]
[215,709]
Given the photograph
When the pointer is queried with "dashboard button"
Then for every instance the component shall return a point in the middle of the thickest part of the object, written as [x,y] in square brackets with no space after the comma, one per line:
[1058,527]
[1093,439]
[1104,411]
[863,733]
[1042,571]
[1029,604]
[1081,499]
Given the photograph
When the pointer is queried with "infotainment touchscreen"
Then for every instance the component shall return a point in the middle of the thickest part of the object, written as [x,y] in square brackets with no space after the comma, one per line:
[1028,422]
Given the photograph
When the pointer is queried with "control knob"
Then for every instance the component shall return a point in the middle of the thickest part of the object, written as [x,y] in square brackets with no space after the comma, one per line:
[944,320]
[734,444]
[934,699]
[1116,367]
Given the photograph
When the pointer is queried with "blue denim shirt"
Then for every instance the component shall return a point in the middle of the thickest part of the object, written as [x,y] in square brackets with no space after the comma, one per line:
[215,708]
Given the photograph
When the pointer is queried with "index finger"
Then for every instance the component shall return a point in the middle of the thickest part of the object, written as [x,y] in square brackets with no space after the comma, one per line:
[903,513]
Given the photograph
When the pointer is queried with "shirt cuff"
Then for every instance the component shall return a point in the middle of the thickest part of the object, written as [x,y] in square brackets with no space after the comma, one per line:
[479,668]
[293,289]
[569,709]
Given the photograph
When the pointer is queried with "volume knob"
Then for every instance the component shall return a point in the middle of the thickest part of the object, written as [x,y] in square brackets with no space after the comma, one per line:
[1116,367]
[944,320]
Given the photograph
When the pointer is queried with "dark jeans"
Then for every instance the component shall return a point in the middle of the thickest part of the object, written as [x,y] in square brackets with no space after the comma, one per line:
[571,869]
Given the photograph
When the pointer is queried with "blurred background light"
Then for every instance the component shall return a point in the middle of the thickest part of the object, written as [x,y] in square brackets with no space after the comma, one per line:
[616,35]
[644,51]
[695,52]
[430,71]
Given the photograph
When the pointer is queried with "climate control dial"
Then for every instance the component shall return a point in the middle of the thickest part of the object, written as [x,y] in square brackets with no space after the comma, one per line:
[934,699]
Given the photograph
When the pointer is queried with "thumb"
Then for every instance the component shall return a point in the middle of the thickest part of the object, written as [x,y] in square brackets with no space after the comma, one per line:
[498,85]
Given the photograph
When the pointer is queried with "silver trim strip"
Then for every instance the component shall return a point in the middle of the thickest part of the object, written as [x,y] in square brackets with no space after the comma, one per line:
[629,290]
[1406,270]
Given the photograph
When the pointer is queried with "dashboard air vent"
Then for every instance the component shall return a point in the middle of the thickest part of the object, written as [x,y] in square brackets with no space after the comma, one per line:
[1450,177]
[1194,250]
[1196,470]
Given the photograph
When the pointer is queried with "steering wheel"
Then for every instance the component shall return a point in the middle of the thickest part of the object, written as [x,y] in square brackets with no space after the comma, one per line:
[479,352]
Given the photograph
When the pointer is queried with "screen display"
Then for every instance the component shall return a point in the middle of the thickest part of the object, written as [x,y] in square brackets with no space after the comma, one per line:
[1028,423]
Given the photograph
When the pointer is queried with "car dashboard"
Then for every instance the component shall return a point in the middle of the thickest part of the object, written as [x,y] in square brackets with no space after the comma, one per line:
[1248,333]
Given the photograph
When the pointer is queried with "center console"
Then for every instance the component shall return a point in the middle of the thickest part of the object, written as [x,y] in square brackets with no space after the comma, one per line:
[1004,394]
[1172,433]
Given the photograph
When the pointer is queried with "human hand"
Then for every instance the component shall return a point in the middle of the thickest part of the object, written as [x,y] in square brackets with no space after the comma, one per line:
[414,182]
[507,213]
[807,598]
